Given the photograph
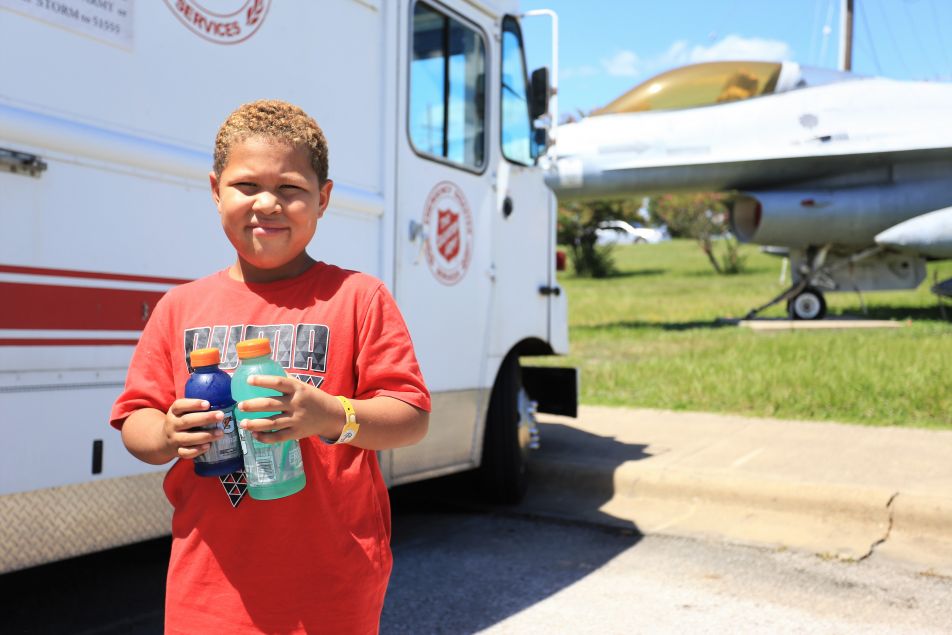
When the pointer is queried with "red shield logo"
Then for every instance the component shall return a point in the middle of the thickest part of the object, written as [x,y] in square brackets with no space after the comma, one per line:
[448,239]
[227,22]
[447,234]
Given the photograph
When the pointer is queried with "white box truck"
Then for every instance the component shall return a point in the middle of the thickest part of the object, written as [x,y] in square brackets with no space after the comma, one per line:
[108,111]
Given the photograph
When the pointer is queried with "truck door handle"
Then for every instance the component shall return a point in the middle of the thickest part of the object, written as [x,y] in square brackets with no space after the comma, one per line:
[417,231]
[556,290]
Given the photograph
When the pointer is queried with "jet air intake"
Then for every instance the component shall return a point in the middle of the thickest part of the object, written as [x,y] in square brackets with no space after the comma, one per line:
[745,217]
[845,216]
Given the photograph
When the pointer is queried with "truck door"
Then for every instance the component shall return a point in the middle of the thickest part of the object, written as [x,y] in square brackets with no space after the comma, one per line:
[444,207]
[523,231]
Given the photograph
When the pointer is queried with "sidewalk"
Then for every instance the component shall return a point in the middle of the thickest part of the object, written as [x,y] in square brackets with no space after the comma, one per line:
[841,491]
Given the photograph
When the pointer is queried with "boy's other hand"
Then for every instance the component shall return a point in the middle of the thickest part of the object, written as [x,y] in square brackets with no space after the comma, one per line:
[303,411]
[183,427]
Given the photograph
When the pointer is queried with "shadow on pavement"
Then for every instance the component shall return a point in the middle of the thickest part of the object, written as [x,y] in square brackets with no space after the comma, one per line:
[461,566]
[119,591]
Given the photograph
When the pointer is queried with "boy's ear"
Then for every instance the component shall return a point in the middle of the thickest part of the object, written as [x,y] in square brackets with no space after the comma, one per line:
[213,181]
[325,196]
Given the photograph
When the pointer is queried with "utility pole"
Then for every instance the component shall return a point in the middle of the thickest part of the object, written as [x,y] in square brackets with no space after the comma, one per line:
[846,35]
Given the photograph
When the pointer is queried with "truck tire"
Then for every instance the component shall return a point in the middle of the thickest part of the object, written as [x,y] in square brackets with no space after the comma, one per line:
[503,475]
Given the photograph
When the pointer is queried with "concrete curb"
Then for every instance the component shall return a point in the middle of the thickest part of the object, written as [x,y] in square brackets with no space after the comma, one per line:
[923,513]
[921,532]
[632,480]
[847,522]
[839,490]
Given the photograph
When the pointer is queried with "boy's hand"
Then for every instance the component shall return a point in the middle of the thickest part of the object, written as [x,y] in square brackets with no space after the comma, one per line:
[182,427]
[304,410]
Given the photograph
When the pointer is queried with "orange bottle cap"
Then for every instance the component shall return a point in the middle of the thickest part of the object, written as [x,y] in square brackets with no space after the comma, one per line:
[254,348]
[205,357]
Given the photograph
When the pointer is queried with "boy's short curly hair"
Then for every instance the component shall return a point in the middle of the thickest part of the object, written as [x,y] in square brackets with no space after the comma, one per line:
[273,119]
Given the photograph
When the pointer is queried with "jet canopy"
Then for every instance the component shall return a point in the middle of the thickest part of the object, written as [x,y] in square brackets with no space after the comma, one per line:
[712,83]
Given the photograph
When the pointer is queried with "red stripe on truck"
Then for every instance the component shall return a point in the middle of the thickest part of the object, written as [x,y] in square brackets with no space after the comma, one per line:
[66,342]
[47,306]
[93,275]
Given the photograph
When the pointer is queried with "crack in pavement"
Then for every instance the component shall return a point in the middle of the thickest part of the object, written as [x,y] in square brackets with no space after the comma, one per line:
[889,527]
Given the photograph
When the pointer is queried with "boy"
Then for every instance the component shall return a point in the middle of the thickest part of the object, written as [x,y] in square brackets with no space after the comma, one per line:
[318,560]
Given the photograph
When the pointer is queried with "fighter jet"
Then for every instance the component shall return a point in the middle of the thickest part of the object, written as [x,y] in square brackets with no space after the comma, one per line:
[849,176]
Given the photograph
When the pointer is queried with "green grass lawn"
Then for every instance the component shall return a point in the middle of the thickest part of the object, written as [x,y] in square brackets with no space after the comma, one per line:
[651,337]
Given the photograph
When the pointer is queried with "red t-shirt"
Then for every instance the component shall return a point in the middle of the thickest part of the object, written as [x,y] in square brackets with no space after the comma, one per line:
[315,561]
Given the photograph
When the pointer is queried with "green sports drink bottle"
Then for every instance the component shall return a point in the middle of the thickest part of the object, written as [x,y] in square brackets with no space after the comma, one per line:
[273,470]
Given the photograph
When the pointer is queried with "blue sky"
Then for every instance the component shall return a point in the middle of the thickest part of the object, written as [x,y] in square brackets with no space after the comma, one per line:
[609,46]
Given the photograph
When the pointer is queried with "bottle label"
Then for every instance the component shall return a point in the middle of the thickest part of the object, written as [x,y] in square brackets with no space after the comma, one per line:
[270,463]
[294,457]
[227,447]
[228,423]
[263,471]
[242,434]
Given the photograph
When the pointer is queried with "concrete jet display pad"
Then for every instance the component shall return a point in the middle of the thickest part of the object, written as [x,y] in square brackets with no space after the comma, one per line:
[779,324]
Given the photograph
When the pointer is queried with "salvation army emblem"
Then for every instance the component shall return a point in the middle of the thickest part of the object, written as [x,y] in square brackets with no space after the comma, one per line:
[227,22]
[448,225]
[447,233]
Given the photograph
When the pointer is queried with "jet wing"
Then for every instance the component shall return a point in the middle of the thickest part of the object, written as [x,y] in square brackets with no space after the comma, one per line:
[804,137]
[599,176]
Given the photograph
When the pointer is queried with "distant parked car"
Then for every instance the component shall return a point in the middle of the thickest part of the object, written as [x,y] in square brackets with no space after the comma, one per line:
[619,232]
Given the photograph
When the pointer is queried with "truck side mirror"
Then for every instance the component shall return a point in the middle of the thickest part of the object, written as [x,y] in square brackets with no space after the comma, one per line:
[540,141]
[541,93]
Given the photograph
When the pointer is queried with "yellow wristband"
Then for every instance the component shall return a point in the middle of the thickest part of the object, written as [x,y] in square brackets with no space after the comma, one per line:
[349,433]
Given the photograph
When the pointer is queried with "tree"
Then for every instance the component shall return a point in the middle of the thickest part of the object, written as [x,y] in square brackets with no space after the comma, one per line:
[577,226]
[704,218]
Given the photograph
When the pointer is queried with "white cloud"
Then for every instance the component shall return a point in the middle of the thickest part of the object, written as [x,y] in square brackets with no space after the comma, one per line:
[622,64]
[732,47]
[736,47]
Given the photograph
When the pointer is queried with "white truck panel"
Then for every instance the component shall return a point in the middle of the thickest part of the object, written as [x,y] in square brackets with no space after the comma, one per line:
[125,123]
[175,87]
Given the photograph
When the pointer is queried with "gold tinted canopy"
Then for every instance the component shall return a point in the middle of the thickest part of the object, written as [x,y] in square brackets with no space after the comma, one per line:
[704,84]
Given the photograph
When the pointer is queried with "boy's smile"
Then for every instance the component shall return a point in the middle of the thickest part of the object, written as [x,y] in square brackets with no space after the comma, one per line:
[269,199]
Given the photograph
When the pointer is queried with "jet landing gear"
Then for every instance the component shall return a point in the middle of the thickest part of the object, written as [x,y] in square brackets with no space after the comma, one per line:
[804,302]
[809,304]
[804,299]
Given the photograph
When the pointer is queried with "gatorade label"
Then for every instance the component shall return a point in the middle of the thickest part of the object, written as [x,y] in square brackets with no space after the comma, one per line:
[226,447]
[294,457]
[244,444]
[263,472]
[228,423]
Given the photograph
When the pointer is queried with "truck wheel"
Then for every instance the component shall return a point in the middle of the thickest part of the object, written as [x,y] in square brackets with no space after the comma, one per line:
[503,476]
[809,304]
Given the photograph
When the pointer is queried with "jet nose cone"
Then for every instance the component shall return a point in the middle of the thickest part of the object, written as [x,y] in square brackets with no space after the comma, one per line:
[896,237]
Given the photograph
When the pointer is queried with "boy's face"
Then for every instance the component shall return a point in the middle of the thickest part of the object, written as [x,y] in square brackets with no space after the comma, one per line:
[269,200]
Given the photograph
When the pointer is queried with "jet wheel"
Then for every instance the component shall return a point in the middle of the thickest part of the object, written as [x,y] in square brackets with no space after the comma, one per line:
[809,304]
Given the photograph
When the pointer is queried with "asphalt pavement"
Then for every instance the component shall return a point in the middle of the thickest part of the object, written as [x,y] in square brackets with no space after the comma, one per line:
[841,491]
